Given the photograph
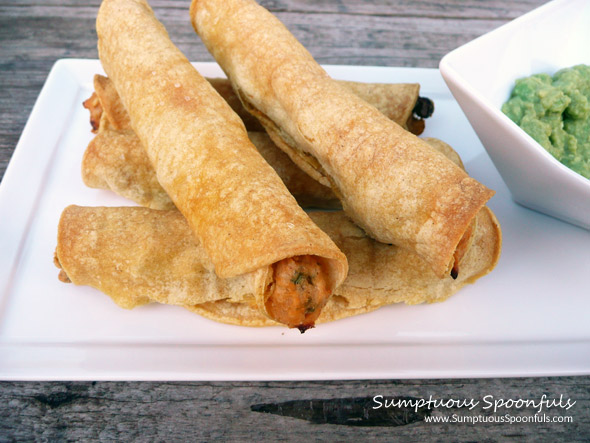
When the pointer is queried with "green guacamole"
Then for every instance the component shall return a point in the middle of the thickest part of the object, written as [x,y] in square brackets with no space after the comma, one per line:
[555,111]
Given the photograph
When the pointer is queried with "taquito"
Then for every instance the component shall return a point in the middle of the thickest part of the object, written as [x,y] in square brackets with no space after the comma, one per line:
[391,183]
[234,202]
[399,102]
[139,255]
[115,160]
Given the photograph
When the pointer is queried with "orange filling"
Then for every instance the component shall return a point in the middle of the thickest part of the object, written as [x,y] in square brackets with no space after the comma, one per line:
[301,290]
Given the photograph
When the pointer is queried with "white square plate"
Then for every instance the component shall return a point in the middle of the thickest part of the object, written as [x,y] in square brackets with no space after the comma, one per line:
[527,318]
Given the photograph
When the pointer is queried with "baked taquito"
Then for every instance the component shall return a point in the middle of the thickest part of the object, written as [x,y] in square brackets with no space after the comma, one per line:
[391,183]
[115,159]
[235,204]
[399,102]
[139,255]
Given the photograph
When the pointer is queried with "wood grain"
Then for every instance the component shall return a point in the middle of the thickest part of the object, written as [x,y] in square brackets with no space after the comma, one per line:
[35,33]
[224,411]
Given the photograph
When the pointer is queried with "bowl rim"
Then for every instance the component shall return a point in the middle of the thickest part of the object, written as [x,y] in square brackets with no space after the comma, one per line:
[450,73]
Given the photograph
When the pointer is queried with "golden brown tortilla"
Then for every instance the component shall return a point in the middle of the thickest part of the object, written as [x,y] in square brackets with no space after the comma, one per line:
[391,183]
[115,160]
[395,100]
[138,255]
[234,202]
[379,275]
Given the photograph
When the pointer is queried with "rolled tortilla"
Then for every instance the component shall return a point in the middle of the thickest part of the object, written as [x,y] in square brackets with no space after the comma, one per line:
[115,160]
[399,102]
[106,94]
[233,201]
[138,255]
[392,184]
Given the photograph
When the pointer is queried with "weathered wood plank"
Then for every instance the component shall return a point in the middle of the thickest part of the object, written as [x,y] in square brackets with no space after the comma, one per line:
[397,41]
[206,411]
[501,10]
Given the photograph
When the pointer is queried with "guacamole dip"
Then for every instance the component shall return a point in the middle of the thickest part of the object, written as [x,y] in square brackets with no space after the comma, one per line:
[555,111]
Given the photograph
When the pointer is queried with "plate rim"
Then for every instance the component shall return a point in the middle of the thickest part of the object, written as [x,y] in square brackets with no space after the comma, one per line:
[15,358]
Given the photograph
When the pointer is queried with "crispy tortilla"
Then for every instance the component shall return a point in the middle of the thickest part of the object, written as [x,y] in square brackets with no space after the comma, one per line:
[397,101]
[139,255]
[391,183]
[115,160]
[234,202]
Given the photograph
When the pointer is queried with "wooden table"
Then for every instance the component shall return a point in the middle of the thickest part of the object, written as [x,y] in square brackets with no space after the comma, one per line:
[34,34]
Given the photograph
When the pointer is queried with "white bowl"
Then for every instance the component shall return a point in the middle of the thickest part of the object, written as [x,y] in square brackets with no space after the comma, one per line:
[481,75]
